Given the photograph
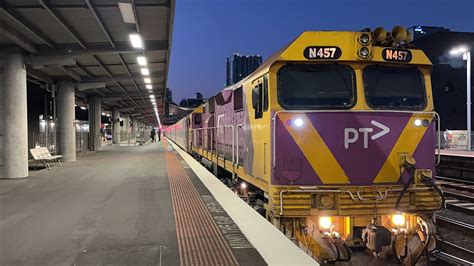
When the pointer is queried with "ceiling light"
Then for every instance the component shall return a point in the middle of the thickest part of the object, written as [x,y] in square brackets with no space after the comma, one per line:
[147,80]
[136,40]
[145,71]
[83,108]
[152,96]
[141,60]
[148,86]
[152,100]
[126,10]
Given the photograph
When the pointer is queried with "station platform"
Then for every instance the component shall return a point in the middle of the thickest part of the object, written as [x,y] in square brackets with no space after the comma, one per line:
[458,153]
[142,205]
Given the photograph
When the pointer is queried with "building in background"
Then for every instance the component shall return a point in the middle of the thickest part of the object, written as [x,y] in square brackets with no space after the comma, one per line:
[448,77]
[423,31]
[192,102]
[240,66]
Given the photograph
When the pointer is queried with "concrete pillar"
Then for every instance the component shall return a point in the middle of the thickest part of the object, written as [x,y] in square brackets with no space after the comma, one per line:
[66,117]
[14,116]
[95,112]
[126,124]
[116,125]
[135,125]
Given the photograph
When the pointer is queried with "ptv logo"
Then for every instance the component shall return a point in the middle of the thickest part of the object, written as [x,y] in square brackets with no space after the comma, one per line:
[351,135]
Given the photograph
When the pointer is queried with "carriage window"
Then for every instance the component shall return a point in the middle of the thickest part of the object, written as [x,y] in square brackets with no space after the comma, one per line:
[394,87]
[316,86]
[238,99]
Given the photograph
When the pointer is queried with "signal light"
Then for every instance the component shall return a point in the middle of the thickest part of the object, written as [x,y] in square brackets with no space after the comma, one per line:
[364,52]
[364,39]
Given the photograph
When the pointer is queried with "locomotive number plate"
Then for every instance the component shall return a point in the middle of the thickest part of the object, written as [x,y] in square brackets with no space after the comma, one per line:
[322,52]
[396,55]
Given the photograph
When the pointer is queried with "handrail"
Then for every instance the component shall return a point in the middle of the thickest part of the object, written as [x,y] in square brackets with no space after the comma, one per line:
[351,194]
[438,160]
[331,111]
[233,139]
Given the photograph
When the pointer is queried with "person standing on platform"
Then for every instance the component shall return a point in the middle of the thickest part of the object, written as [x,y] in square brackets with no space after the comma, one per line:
[152,135]
[159,134]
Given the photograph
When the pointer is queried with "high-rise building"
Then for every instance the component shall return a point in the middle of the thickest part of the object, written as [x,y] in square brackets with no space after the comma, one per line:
[423,31]
[240,66]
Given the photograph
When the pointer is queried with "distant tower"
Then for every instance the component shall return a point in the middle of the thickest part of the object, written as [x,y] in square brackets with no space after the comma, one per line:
[240,66]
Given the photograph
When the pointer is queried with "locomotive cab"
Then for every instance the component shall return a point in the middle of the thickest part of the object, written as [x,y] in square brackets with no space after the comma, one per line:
[352,141]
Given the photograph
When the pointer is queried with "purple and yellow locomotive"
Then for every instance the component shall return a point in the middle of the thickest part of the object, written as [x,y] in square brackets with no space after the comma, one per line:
[333,140]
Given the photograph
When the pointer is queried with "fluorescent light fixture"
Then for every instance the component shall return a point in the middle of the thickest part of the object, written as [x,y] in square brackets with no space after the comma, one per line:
[147,80]
[126,10]
[153,100]
[148,86]
[141,60]
[145,71]
[152,96]
[136,40]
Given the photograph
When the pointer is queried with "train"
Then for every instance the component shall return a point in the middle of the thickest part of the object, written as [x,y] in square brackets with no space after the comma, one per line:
[332,139]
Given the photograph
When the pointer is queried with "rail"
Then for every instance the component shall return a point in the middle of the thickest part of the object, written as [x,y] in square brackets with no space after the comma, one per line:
[437,117]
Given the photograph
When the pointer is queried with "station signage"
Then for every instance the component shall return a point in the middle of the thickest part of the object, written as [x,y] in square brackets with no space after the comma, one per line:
[396,55]
[322,52]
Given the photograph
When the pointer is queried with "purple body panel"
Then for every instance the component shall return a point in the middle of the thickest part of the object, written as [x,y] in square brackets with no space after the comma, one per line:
[360,164]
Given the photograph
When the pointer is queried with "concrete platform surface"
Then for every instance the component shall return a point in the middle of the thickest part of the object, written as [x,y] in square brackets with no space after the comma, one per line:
[116,207]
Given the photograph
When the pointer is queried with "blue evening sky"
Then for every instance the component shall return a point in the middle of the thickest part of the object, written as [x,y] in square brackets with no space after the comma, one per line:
[207,31]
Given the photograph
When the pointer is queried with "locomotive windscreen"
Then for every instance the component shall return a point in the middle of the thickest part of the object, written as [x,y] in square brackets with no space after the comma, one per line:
[322,86]
[400,88]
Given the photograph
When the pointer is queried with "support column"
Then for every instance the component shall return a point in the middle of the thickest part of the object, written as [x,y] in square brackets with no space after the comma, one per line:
[95,111]
[66,116]
[116,126]
[14,116]
[135,125]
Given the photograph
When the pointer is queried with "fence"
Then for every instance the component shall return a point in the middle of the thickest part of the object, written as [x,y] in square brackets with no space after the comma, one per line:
[132,138]
[43,139]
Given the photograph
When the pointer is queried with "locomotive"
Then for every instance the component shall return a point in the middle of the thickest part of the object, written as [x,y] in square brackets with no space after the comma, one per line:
[332,139]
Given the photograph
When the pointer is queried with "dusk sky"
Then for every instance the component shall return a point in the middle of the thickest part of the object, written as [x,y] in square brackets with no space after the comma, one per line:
[207,31]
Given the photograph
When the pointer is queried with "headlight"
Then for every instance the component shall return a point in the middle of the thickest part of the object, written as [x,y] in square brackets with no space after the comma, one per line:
[298,122]
[364,39]
[364,52]
[418,122]
[398,219]
[325,222]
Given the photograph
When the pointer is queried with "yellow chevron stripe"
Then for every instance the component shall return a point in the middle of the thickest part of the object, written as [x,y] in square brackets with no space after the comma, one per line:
[315,150]
[406,144]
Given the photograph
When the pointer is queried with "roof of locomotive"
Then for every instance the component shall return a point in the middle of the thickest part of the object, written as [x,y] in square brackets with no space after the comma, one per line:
[345,40]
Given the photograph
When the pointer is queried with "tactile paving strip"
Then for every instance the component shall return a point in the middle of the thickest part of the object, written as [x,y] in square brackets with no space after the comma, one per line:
[199,240]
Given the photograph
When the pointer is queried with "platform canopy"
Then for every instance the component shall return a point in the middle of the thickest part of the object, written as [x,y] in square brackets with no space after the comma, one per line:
[88,42]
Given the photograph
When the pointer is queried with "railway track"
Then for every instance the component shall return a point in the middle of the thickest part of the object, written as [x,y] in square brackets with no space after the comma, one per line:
[452,253]
[459,194]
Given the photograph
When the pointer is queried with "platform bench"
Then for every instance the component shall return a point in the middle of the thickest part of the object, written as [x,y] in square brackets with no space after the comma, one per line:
[42,155]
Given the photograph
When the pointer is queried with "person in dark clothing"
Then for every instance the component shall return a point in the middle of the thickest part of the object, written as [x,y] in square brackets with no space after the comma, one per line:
[159,134]
[152,135]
